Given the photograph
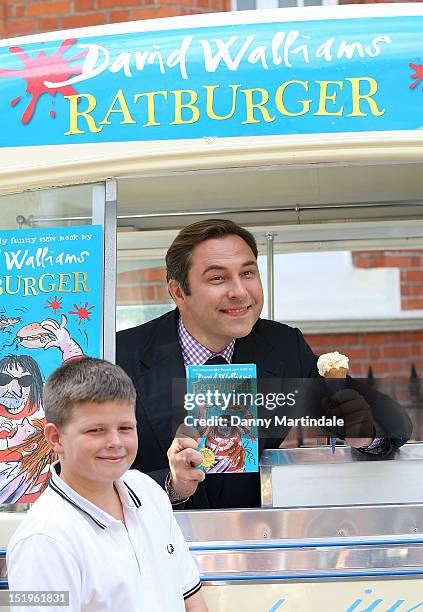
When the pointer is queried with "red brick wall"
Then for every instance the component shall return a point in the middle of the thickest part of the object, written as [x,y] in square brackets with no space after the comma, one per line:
[411,266]
[2,20]
[143,286]
[20,17]
[390,354]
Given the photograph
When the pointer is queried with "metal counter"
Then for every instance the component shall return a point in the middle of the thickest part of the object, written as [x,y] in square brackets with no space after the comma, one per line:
[317,477]
[355,557]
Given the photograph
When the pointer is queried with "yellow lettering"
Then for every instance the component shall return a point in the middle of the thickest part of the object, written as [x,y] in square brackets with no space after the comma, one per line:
[325,97]
[7,285]
[41,283]
[74,114]
[150,95]
[280,105]
[179,105]
[209,102]
[63,283]
[122,108]
[357,97]
[29,286]
[251,105]
[46,283]
[80,279]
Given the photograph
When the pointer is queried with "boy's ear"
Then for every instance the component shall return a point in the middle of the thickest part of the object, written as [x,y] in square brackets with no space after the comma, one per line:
[53,437]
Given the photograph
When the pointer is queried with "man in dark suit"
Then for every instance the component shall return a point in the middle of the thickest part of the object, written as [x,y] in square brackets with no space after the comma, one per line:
[214,281]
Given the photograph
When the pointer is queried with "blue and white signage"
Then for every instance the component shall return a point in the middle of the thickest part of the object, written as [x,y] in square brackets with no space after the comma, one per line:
[304,77]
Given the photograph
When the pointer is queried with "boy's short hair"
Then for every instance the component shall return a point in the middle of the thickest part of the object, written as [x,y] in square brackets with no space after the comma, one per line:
[84,380]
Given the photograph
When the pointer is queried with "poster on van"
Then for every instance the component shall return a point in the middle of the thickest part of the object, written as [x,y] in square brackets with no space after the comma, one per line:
[50,311]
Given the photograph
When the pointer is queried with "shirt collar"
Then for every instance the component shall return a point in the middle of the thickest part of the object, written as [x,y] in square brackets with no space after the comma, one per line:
[101,518]
[194,353]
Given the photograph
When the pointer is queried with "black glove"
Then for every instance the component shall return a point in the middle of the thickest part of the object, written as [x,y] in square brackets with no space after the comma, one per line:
[356,413]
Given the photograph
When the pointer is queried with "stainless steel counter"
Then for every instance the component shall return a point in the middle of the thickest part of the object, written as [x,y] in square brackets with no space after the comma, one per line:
[354,557]
[317,477]
[306,543]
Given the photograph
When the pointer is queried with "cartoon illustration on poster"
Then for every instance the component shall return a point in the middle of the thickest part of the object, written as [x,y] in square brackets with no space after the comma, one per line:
[50,311]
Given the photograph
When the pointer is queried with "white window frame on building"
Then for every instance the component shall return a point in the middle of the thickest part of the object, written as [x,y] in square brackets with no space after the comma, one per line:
[270,4]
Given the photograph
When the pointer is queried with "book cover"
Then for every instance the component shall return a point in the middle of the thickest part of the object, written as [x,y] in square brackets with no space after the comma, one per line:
[224,414]
[50,311]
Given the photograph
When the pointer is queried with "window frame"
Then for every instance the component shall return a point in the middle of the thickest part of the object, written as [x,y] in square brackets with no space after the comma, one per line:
[272,4]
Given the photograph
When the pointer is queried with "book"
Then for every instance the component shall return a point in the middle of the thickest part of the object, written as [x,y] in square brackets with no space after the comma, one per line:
[224,413]
[50,311]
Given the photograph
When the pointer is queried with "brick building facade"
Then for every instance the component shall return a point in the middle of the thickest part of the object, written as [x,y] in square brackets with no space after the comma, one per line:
[21,17]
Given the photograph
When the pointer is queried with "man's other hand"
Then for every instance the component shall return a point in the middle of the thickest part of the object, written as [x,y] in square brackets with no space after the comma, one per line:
[358,428]
[184,460]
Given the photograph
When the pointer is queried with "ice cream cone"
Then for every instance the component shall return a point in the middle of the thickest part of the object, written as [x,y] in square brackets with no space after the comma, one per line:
[333,365]
[336,373]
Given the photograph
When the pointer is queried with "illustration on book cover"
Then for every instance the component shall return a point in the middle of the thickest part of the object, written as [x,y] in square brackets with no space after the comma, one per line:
[224,414]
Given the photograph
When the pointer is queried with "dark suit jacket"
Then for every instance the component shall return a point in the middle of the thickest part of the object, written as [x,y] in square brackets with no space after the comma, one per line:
[152,357]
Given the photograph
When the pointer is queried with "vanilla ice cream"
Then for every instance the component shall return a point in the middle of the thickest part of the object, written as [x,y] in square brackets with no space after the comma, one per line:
[333,365]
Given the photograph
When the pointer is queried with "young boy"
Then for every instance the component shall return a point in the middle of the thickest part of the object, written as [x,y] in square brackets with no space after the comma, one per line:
[104,534]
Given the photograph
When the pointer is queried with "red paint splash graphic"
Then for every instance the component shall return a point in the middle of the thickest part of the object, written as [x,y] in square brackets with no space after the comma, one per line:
[40,68]
[54,304]
[82,311]
[418,74]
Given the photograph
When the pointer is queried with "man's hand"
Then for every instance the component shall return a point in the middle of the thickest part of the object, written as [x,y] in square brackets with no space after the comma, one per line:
[184,461]
[358,429]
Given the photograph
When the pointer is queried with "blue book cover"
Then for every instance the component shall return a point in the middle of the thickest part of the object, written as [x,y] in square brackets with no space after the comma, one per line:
[50,311]
[224,413]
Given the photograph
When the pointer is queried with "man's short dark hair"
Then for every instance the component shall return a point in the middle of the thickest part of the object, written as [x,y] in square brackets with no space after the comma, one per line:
[179,254]
[84,380]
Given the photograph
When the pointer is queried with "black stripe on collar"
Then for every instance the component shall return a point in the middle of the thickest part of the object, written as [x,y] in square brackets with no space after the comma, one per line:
[133,495]
[68,499]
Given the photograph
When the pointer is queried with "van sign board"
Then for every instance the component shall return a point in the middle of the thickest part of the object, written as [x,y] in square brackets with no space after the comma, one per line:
[256,79]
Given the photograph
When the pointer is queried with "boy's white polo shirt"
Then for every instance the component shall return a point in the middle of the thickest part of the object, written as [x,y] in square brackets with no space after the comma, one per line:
[66,543]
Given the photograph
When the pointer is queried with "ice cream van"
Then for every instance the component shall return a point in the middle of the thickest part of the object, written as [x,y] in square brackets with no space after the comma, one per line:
[304,125]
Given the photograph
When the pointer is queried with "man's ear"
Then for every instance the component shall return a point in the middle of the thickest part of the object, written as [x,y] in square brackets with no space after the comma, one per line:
[53,437]
[175,290]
